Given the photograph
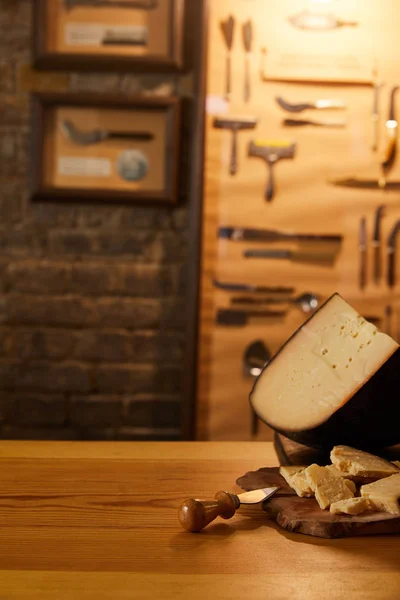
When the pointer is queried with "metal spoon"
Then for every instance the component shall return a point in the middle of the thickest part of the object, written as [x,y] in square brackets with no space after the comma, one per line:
[255,357]
[306,302]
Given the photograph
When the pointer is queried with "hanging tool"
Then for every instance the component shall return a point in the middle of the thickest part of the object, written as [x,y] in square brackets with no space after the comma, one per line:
[234,124]
[375,110]
[376,243]
[139,4]
[271,151]
[362,247]
[306,302]
[239,318]
[247,33]
[391,250]
[252,289]
[255,357]
[246,234]
[365,184]
[228,28]
[388,317]
[297,256]
[317,104]
[334,123]
[195,514]
[308,21]
[86,138]
[391,127]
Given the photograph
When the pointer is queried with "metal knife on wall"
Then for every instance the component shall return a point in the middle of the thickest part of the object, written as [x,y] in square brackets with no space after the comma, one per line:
[391,250]
[248,234]
[376,243]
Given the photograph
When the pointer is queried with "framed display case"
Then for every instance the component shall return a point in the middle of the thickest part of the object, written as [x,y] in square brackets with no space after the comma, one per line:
[102,35]
[105,148]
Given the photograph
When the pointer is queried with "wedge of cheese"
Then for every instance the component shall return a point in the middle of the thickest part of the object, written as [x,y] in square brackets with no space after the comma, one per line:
[350,506]
[359,463]
[328,488]
[383,495]
[296,478]
[334,379]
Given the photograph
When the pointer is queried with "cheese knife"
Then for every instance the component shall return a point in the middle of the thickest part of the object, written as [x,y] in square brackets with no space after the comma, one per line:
[333,123]
[362,246]
[239,234]
[196,514]
[317,104]
[247,33]
[297,256]
[239,318]
[311,21]
[227,30]
[376,243]
[391,250]
[252,289]
[365,184]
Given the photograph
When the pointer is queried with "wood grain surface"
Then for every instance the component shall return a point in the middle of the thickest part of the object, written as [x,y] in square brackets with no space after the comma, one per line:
[304,203]
[99,520]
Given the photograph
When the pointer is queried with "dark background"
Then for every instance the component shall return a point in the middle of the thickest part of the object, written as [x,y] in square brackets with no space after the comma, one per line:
[94,301]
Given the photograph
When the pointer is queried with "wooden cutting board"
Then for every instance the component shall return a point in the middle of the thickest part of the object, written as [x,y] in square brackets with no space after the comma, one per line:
[292,453]
[303,515]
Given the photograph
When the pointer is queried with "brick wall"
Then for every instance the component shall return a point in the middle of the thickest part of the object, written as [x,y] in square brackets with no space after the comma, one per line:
[92,298]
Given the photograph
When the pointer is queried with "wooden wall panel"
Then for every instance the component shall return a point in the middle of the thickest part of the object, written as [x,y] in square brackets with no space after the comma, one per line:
[305,201]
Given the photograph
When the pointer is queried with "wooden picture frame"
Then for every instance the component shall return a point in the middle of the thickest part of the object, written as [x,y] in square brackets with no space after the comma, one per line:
[108,56]
[70,168]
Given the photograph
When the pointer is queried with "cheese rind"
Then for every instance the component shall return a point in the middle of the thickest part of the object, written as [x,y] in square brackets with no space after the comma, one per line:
[359,463]
[320,368]
[350,506]
[296,478]
[384,494]
[328,488]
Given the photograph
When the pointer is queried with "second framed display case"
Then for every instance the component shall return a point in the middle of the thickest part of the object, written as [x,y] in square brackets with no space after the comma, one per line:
[107,148]
[108,35]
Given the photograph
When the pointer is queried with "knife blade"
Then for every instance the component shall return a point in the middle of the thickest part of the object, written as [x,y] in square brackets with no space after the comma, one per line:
[247,34]
[362,246]
[391,250]
[239,234]
[240,318]
[376,243]
[196,514]
[334,123]
[317,104]
[296,256]
[375,110]
[391,127]
[365,184]
[252,289]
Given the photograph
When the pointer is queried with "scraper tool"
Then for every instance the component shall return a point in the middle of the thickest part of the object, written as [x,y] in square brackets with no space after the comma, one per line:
[234,124]
[195,514]
[271,151]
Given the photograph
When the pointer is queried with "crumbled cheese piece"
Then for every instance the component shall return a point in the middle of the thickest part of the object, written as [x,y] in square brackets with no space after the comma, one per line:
[295,477]
[384,494]
[328,488]
[350,506]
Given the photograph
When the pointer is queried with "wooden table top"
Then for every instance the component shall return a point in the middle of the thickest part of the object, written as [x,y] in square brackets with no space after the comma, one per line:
[99,520]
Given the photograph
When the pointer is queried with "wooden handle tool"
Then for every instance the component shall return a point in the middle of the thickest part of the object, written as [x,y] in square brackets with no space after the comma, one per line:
[195,514]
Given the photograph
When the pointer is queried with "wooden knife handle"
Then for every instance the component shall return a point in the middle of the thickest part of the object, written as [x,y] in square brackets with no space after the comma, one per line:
[195,514]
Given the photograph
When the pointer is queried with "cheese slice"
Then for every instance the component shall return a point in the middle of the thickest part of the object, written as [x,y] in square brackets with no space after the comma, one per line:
[356,479]
[349,482]
[350,506]
[328,488]
[384,494]
[357,462]
[320,368]
[296,478]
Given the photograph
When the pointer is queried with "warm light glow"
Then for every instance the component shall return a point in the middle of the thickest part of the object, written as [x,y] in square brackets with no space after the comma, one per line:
[391,124]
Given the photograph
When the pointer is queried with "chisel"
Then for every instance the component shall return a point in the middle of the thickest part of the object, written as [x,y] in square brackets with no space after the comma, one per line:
[376,243]
[247,234]
[252,289]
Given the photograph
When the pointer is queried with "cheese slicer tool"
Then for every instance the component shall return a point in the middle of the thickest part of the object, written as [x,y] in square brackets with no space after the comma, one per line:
[195,514]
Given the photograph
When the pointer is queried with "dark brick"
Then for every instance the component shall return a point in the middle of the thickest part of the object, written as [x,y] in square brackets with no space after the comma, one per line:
[96,434]
[153,346]
[154,413]
[34,277]
[180,218]
[100,346]
[44,377]
[138,244]
[36,409]
[174,314]
[173,247]
[13,148]
[39,310]
[139,217]
[92,279]
[11,202]
[53,215]
[147,434]
[147,280]
[70,242]
[98,217]
[5,341]
[21,242]
[123,379]
[43,344]
[96,411]
[8,432]
[130,314]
